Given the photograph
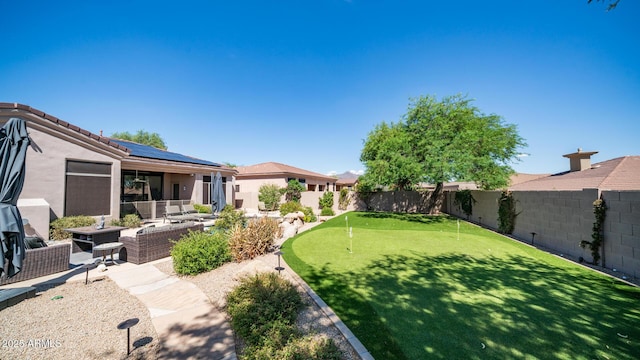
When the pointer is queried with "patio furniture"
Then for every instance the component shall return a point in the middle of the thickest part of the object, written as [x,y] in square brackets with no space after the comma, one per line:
[42,261]
[153,243]
[87,237]
[190,210]
[111,247]
[174,214]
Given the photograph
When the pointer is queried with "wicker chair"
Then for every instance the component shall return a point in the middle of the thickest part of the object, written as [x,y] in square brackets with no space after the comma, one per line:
[43,261]
[154,243]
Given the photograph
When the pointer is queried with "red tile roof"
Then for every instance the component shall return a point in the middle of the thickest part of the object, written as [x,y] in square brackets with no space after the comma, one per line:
[621,173]
[275,169]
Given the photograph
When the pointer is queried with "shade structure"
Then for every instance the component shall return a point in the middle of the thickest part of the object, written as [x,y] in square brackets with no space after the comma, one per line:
[14,141]
[218,200]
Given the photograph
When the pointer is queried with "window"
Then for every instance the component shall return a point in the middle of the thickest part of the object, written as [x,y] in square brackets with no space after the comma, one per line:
[237,188]
[87,188]
[141,186]
[321,188]
[312,187]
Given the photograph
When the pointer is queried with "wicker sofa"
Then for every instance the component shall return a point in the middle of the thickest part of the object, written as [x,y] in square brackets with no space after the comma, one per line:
[154,243]
[42,261]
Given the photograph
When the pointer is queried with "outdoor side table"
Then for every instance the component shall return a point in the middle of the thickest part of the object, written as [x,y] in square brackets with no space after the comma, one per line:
[112,246]
[87,237]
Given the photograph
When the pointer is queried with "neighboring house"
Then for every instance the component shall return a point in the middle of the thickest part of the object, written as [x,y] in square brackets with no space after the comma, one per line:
[346,183]
[250,178]
[347,180]
[621,173]
[81,173]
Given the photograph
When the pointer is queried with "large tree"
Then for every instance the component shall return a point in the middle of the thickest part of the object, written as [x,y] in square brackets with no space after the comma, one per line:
[439,141]
[142,137]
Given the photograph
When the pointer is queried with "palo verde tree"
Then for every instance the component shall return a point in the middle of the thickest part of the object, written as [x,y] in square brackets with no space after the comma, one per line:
[142,137]
[439,141]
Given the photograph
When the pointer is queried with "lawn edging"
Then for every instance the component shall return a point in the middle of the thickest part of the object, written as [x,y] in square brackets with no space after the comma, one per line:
[357,346]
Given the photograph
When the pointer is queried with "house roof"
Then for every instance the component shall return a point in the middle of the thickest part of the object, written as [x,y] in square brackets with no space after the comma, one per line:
[151,152]
[131,148]
[271,169]
[621,173]
[347,181]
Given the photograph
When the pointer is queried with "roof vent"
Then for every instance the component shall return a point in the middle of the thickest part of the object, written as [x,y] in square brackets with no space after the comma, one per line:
[580,160]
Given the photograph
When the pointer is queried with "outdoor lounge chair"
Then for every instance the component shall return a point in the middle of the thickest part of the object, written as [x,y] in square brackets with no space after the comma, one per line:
[191,211]
[174,214]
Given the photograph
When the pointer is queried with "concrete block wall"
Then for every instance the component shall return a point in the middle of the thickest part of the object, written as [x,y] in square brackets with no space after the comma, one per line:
[562,219]
[622,231]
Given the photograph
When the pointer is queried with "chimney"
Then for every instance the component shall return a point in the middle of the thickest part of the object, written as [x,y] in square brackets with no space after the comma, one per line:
[580,160]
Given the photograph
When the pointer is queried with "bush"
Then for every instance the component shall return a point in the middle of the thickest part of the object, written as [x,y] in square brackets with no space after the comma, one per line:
[129,220]
[270,195]
[344,200]
[326,201]
[230,218]
[293,190]
[305,348]
[327,211]
[290,207]
[264,307]
[198,252]
[309,216]
[263,310]
[254,240]
[57,226]
[203,209]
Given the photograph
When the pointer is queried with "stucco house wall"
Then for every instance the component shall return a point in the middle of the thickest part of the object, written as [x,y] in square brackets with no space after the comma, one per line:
[46,171]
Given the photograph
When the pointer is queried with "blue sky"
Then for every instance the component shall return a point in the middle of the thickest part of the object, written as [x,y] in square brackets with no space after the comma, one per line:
[303,82]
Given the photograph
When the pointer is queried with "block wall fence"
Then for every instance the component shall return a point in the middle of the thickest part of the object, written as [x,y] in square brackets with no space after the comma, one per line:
[562,219]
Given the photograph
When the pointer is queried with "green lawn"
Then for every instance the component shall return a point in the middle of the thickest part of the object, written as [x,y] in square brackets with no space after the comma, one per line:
[415,288]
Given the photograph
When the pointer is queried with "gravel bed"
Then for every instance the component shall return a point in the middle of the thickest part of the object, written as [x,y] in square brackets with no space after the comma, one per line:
[77,321]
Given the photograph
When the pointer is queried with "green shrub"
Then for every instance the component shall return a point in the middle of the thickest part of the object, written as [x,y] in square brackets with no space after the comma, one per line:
[293,191]
[57,226]
[203,209]
[326,200]
[290,207]
[254,240]
[304,348]
[309,216]
[262,306]
[129,220]
[344,200]
[327,211]
[230,218]
[198,252]
[270,195]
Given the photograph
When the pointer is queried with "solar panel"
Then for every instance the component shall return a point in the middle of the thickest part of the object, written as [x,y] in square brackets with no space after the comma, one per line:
[150,152]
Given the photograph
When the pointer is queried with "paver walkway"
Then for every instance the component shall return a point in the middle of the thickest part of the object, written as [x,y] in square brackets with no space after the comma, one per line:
[188,326]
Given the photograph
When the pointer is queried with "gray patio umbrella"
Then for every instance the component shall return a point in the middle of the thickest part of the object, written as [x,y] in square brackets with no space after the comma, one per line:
[14,141]
[218,200]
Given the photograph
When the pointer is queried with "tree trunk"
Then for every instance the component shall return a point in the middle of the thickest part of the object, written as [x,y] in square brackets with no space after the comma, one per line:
[434,202]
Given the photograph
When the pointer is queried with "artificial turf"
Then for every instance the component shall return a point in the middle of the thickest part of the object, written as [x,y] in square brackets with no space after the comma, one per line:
[412,286]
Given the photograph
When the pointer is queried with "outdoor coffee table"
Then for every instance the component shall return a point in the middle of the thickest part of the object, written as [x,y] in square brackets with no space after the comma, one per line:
[107,247]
